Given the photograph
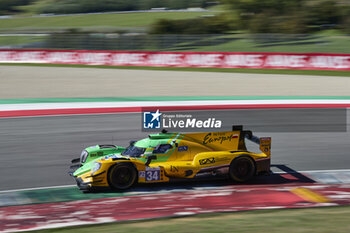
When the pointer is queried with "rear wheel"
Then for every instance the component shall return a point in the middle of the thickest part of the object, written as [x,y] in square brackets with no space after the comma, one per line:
[122,176]
[242,169]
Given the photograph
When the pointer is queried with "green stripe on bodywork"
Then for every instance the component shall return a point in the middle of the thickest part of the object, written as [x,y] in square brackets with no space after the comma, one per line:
[165,157]
[178,140]
[165,98]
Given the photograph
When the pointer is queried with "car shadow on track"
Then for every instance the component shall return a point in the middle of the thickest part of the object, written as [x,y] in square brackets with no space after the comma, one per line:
[284,176]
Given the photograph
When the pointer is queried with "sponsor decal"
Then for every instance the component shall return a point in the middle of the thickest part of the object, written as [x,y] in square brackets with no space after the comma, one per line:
[113,157]
[330,62]
[244,60]
[207,161]
[95,58]
[165,59]
[128,59]
[182,148]
[152,168]
[174,168]
[286,61]
[218,137]
[265,144]
[62,57]
[265,141]
[142,174]
[100,153]
[203,59]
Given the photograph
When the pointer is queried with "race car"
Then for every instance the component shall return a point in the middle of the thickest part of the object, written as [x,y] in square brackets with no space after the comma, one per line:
[164,157]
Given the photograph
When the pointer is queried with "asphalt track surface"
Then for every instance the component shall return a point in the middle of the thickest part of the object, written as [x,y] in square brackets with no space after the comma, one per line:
[36,151]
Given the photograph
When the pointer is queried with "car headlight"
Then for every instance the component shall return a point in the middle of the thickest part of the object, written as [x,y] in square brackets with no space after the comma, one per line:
[83,156]
[95,167]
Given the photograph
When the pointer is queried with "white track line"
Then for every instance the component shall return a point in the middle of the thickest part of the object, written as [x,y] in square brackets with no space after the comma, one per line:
[313,171]
[75,105]
[37,188]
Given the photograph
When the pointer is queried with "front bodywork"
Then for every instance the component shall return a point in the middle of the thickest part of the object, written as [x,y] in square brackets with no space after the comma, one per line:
[167,156]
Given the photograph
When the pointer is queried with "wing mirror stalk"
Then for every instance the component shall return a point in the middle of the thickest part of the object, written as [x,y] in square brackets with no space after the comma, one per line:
[149,159]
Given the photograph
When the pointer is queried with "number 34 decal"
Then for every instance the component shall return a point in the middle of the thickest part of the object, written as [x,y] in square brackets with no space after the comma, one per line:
[152,175]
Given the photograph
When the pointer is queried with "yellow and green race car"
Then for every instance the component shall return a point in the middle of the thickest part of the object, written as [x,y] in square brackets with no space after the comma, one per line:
[164,157]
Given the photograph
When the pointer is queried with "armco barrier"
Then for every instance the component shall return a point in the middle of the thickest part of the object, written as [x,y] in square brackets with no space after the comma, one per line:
[181,59]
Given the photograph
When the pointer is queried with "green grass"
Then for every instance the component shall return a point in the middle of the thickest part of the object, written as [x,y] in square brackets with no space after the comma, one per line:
[328,41]
[322,42]
[16,40]
[321,220]
[200,69]
[119,21]
[314,43]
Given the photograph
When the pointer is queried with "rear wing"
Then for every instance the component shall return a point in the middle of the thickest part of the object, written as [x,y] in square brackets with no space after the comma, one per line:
[263,142]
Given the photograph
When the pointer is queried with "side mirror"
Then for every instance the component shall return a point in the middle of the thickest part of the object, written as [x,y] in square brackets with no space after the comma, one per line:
[149,159]
[131,143]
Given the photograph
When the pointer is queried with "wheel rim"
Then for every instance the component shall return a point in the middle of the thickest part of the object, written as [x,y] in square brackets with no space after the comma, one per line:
[243,168]
[122,177]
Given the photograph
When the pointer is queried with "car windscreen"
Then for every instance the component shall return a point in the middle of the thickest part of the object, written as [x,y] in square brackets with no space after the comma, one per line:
[134,151]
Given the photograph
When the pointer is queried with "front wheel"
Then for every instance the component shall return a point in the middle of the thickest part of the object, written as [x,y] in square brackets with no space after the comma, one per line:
[242,169]
[122,176]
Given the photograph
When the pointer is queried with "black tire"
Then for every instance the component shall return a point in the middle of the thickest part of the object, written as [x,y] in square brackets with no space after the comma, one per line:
[242,169]
[122,176]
